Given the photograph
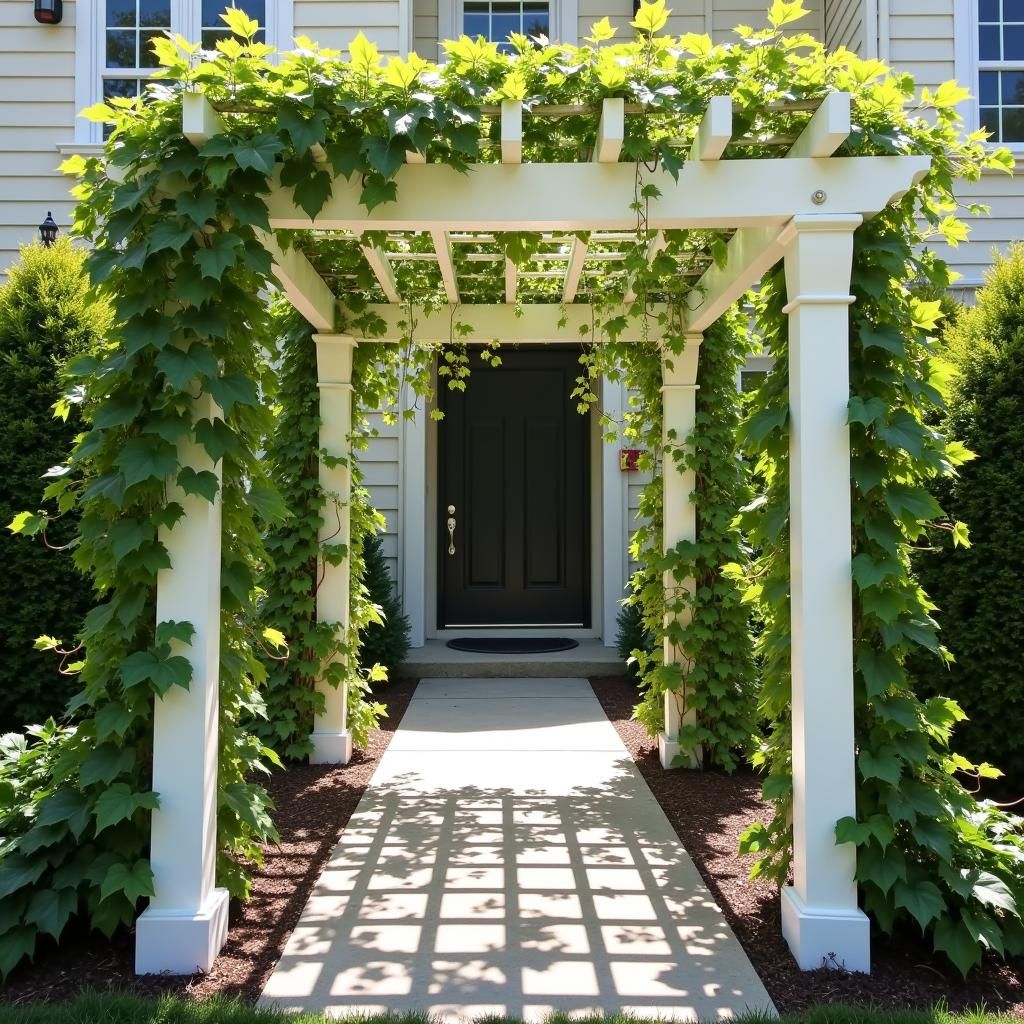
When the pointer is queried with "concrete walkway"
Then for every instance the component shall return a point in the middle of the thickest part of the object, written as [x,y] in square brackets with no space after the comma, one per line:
[507,858]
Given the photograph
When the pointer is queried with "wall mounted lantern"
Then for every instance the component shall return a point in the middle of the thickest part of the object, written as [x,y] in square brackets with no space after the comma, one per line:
[49,12]
[48,229]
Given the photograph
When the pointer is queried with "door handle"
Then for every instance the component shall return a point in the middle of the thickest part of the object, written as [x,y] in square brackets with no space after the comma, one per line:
[451,529]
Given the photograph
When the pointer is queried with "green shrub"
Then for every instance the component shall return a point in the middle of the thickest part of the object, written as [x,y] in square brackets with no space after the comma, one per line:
[385,643]
[46,317]
[977,588]
[631,634]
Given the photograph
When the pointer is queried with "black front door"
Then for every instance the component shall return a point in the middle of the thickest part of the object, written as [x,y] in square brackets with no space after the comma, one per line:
[515,469]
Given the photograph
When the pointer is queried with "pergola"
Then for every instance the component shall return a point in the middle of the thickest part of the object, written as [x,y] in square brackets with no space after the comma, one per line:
[801,208]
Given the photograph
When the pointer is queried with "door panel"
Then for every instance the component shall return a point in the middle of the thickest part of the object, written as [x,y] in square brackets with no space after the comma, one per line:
[514,460]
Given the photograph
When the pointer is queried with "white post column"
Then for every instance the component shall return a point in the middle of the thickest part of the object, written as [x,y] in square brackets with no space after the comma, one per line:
[820,917]
[186,923]
[332,742]
[679,408]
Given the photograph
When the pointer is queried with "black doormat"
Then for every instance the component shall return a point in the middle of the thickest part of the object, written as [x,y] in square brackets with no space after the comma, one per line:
[501,645]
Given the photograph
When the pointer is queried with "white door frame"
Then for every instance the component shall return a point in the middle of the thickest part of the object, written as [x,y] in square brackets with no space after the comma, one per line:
[417,524]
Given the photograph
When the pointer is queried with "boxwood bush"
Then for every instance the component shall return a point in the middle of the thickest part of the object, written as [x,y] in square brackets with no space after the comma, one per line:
[46,317]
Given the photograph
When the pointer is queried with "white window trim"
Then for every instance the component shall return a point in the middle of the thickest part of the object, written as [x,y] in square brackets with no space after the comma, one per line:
[90,46]
[967,65]
[564,20]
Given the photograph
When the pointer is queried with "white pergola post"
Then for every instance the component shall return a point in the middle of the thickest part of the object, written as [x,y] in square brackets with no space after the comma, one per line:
[332,742]
[186,923]
[820,917]
[679,407]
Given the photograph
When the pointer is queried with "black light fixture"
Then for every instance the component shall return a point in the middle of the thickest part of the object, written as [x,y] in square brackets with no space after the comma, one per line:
[48,229]
[49,12]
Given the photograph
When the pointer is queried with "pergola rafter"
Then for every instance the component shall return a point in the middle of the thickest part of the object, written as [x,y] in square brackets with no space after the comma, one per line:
[802,209]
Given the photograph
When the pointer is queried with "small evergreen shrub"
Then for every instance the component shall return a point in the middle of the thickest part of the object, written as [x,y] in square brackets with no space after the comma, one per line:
[385,643]
[632,635]
[977,588]
[47,317]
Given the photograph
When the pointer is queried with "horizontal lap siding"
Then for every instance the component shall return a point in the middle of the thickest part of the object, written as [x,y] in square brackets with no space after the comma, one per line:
[424,29]
[335,25]
[687,16]
[844,25]
[37,112]
[921,39]
[1005,196]
[380,469]
[730,13]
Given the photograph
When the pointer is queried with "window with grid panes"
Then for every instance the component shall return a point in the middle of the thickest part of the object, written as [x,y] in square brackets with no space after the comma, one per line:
[1001,69]
[495,20]
[130,26]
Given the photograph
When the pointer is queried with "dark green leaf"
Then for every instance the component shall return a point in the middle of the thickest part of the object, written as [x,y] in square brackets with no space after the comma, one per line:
[220,255]
[233,389]
[147,458]
[922,900]
[50,909]
[203,483]
[106,763]
[180,366]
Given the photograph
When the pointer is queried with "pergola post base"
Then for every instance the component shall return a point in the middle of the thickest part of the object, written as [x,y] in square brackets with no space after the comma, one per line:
[331,748]
[169,942]
[668,750]
[824,937]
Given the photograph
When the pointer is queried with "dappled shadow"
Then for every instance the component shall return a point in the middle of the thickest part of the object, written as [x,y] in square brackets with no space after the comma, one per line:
[512,900]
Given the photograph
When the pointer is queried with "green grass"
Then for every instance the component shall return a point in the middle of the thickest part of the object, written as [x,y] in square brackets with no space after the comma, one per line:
[117,1009]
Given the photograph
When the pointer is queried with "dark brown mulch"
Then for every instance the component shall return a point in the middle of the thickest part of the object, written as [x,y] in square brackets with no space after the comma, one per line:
[709,810]
[314,803]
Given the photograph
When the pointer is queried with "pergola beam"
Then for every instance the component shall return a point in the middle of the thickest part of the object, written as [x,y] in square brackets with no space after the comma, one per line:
[715,131]
[611,131]
[382,270]
[443,248]
[306,289]
[591,196]
[752,252]
[536,323]
[827,129]
[511,132]
[577,257]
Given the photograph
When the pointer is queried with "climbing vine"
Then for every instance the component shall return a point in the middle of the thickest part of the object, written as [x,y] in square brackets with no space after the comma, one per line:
[179,230]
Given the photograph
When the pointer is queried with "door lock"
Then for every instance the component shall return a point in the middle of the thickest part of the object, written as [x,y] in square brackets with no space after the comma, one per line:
[451,529]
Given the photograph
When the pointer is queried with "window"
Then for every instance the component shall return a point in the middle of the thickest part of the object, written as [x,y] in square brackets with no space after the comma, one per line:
[496,20]
[114,51]
[128,33]
[1000,51]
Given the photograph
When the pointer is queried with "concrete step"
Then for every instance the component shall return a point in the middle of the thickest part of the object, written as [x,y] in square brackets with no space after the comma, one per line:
[437,661]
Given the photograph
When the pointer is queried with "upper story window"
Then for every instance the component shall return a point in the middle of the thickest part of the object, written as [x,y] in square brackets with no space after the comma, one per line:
[128,34]
[496,20]
[1001,69]
[114,42]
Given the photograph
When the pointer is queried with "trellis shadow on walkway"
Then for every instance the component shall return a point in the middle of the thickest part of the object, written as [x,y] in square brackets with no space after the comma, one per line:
[499,867]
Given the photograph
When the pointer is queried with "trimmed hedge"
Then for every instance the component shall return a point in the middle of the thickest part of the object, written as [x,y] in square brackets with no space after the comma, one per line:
[978,589]
[46,317]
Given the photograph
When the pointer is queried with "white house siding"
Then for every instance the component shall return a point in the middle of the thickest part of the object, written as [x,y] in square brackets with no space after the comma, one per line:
[921,39]
[727,14]
[334,24]
[380,468]
[844,25]
[37,111]
[424,29]
[1005,196]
